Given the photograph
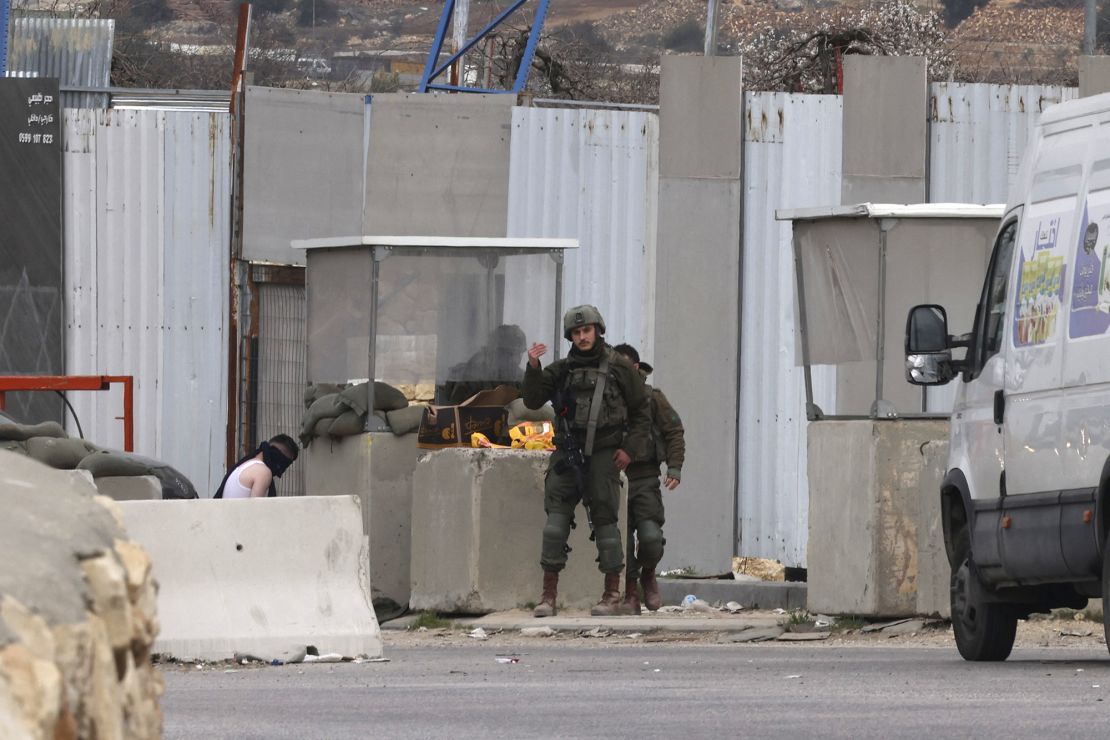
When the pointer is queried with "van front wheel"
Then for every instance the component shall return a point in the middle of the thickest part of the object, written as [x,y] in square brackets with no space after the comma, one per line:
[984,630]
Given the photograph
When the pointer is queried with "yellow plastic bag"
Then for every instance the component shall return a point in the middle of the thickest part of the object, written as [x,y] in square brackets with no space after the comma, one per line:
[533,435]
[480,440]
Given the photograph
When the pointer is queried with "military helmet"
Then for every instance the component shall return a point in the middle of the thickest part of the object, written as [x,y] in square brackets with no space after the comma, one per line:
[580,316]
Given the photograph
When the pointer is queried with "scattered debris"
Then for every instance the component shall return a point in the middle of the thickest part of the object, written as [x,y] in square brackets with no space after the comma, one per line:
[537,632]
[761,568]
[796,675]
[780,610]
[909,627]
[670,609]
[802,636]
[507,659]
[756,634]
[733,607]
[1075,633]
[478,634]
[325,658]
[696,605]
[634,635]
[884,625]
[596,632]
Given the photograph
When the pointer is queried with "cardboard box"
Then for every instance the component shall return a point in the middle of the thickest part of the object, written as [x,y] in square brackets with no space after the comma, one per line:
[451,426]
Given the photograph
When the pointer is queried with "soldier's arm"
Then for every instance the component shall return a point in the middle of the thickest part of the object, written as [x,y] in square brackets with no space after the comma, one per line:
[639,410]
[539,384]
[674,435]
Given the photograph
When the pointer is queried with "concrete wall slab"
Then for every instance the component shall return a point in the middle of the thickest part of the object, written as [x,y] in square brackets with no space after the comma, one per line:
[477,525]
[696,358]
[438,165]
[697,321]
[700,105]
[885,130]
[377,468]
[874,512]
[1094,75]
[302,170]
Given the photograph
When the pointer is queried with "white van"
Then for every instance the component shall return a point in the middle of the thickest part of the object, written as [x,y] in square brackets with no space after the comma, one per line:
[1024,502]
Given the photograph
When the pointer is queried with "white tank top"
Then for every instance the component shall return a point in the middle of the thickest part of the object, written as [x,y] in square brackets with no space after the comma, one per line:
[234,488]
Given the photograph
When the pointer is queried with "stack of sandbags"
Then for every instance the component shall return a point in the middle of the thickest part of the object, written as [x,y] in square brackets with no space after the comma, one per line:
[78,612]
[337,411]
[113,463]
[48,444]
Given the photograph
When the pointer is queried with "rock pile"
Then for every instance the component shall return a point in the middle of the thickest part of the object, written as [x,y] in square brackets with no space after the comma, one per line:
[77,612]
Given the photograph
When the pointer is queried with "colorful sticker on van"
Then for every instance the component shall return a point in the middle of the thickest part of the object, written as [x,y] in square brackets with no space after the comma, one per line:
[1040,284]
[1090,293]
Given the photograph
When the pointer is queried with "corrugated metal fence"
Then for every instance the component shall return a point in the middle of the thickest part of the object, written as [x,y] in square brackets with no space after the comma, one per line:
[791,160]
[146,272]
[977,134]
[77,51]
[593,175]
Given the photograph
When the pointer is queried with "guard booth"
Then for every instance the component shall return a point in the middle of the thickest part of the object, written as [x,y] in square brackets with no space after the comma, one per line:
[877,454]
[407,311]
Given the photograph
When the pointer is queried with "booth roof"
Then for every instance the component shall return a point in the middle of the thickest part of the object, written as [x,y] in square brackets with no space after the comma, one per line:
[893,210]
[471,242]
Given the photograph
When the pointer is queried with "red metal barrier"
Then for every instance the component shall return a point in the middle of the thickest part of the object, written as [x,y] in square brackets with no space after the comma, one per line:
[79,383]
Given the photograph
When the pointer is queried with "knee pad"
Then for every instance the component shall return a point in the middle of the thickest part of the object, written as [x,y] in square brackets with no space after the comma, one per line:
[610,557]
[556,532]
[649,537]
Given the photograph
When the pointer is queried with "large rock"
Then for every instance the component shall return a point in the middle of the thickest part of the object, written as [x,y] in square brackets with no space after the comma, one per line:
[77,612]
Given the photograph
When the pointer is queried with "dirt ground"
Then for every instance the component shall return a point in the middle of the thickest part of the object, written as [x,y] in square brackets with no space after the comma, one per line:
[1058,631]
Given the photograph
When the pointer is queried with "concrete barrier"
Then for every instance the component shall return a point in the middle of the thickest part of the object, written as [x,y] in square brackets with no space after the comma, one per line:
[378,468]
[260,576]
[477,524]
[130,487]
[876,546]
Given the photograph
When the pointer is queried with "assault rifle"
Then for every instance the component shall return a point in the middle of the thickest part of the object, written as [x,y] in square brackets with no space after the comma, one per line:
[573,455]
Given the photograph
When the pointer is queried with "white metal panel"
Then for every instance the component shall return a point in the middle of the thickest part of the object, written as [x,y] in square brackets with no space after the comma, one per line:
[977,136]
[593,175]
[146,255]
[792,159]
[282,370]
[195,294]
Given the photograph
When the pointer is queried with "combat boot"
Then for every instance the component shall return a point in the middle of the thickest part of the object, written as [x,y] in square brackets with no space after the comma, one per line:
[546,607]
[631,604]
[610,603]
[652,599]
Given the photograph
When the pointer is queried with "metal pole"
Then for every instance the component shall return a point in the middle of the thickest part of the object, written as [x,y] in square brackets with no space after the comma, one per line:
[803,329]
[461,19]
[711,29]
[1090,26]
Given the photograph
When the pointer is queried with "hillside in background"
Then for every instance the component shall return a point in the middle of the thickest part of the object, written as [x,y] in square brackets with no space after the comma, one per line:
[370,45]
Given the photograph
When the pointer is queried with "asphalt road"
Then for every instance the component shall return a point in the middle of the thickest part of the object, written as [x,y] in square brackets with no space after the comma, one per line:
[652,690]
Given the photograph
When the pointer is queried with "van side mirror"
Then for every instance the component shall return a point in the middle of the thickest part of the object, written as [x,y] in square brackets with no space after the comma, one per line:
[928,346]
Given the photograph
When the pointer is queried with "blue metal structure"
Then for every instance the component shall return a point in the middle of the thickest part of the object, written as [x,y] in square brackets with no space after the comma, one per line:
[5,10]
[432,69]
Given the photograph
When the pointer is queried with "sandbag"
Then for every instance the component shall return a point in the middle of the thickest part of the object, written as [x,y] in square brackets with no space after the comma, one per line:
[386,397]
[322,408]
[63,454]
[317,391]
[105,463]
[406,420]
[20,432]
[346,424]
[518,412]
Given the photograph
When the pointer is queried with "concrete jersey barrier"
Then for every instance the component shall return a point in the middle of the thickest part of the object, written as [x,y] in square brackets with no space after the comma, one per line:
[264,577]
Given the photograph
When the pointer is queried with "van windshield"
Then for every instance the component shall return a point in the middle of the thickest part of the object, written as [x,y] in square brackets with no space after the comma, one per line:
[995,293]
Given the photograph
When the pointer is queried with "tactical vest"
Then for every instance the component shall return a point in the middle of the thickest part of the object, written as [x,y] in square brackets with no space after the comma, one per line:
[613,415]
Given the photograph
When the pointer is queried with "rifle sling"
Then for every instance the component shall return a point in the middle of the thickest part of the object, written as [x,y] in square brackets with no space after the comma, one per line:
[595,403]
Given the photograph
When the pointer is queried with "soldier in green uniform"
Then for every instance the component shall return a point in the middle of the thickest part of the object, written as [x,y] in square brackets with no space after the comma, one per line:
[645,498]
[602,411]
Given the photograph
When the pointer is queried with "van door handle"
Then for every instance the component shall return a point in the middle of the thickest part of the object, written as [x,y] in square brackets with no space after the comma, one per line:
[999,406]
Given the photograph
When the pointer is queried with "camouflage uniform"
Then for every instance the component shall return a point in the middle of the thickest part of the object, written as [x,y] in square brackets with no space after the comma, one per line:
[645,497]
[623,422]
